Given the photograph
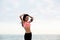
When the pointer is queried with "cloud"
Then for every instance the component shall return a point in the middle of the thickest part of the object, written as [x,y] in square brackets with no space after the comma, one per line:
[9,10]
[47,8]
[46,15]
[43,9]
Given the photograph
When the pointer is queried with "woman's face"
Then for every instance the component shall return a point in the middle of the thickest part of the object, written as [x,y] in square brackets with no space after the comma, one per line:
[27,18]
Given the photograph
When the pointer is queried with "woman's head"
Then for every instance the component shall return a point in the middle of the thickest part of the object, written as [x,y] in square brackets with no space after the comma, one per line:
[25,17]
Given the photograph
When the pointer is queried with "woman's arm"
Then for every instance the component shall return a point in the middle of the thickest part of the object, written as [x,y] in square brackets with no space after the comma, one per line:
[21,17]
[31,19]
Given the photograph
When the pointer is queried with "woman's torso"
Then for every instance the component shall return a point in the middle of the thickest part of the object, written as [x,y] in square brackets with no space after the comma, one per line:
[26,26]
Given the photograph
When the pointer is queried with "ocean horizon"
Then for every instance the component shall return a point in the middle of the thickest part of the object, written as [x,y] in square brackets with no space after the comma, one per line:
[34,37]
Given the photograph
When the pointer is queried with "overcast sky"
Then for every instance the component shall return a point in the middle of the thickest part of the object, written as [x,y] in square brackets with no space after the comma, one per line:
[46,15]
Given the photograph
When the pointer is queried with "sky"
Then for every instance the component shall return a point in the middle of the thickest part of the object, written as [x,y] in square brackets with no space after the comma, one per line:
[46,14]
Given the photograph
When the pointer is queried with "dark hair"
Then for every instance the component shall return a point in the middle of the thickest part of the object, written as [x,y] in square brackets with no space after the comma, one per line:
[25,16]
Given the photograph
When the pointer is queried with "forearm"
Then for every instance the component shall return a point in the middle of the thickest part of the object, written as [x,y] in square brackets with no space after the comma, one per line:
[31,18]
[21,16]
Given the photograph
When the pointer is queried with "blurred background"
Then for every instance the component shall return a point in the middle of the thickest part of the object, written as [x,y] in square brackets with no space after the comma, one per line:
[46,14]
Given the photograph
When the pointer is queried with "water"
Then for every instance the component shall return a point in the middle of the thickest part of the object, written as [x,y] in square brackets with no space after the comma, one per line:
[34,37]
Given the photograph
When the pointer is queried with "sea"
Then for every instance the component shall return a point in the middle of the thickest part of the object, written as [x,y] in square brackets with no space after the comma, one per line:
[34,37]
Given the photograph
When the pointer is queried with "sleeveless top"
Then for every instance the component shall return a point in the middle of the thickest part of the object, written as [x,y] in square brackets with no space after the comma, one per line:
[26,24]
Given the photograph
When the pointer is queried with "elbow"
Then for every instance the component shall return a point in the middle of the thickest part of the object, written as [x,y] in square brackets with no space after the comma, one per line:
[19,16]
[31,19]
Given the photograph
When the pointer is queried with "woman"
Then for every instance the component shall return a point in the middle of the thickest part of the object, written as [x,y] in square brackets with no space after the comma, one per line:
[26,25]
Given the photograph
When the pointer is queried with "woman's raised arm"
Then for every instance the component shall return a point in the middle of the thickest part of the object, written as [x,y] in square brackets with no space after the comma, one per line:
[21,17]
[31,19]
